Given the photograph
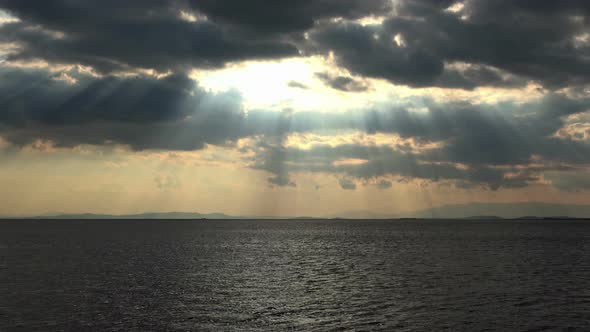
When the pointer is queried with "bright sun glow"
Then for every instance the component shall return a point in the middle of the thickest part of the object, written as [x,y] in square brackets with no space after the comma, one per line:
[279,85]
[293,84]
[266,84]
[311,107]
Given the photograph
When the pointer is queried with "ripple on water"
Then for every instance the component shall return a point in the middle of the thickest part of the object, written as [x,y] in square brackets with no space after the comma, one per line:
[294,275]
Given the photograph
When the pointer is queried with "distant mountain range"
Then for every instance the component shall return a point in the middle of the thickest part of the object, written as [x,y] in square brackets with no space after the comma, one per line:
[488,211]
[149,215]
[485,211]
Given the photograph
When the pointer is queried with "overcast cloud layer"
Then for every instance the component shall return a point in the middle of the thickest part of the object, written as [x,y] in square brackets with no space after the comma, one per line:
[445,44]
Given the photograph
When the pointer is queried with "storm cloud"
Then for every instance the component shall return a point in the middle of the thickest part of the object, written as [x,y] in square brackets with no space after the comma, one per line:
[142,112]
[286,16]
[138,34]
[495,146]
[115,36]
[476,143]
[494,43]
[420,43]
[342,83]
[120,73]
[347,184]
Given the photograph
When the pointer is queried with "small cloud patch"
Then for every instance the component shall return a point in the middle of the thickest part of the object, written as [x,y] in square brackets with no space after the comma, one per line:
[347,184]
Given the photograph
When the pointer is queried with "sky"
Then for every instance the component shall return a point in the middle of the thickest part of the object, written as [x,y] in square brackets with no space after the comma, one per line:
[299,107]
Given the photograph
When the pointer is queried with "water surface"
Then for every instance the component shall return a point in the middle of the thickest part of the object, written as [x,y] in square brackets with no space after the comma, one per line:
[294,275]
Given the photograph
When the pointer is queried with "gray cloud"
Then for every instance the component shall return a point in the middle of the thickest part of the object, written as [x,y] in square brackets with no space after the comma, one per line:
[297,85]
[347,184]
[36,96]
[357,49]
[386,161]
[570,182]
[150,34]
[384,184]
[285,16]
[173,113]
[143,112]
[144,34]
[342,83]
[489,145]
[537,41]
[534,42]
[503,43]
[517,129]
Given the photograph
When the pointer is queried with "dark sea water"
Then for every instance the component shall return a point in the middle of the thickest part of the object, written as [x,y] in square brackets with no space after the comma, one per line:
[294,275]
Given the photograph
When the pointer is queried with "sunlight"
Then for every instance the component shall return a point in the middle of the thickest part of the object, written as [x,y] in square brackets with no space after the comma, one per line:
[284,84]
[294,165]
[7,18]
[258,81]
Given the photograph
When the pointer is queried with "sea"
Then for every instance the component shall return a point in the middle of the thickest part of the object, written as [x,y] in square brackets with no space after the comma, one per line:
[294,275]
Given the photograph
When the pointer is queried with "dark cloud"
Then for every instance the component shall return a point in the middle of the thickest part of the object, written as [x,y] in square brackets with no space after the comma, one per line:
[342,83]
[41,97]
[499,43]
[490,145]
[570,182]
[114,36]
[38,96]
[297,85]
[532,40]
[474,76]
[386,161]
[143,112]
[271,158]
[357,49]
[285,16]
[524,9]
[502,43]
[347,184]
[384,184]
[282,177]
[281,181]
